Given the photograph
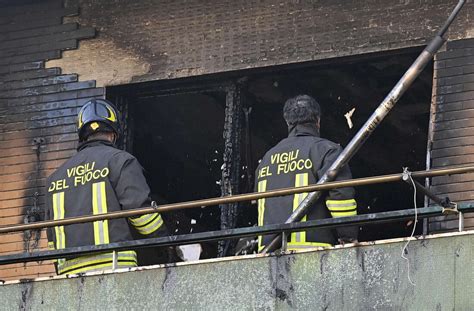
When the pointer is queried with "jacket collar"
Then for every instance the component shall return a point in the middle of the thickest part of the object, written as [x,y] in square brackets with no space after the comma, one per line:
[303,130]
[93,143]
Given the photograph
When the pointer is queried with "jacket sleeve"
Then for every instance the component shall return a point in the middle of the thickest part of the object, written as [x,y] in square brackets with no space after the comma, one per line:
[340,202]
[132,192]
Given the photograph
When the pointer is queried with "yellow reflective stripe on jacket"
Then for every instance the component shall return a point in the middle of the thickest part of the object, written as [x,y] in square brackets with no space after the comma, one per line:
[342,208]
[262,187]
[102,267]
[341,204]
[344,214]
[147,224]
[99,206]
[300,180]
[142,220]
[97,262]
[306,245]
[58,213]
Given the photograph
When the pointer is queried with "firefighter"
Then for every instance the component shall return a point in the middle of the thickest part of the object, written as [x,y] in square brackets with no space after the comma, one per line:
[299,160]
[98,179]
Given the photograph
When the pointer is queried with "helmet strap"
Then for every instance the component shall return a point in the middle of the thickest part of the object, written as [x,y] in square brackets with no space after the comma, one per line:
[115,138]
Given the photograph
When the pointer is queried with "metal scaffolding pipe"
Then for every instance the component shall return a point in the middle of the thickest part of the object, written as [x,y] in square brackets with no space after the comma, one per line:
[444,202]
[371,124]
[237,198]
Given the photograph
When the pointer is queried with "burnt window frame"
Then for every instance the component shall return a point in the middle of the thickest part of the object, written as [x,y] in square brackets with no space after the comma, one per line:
[235,84]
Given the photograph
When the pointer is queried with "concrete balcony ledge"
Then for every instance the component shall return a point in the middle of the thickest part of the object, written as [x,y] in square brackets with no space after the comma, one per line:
[368,276]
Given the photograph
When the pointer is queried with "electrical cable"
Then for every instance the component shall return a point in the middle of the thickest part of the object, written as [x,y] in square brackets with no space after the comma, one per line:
[414,226]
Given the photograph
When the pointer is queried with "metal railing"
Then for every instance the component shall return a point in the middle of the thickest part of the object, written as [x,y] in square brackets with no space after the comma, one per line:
[239,232]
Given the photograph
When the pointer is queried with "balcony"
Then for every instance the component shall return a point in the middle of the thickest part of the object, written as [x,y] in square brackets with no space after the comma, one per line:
[370,275]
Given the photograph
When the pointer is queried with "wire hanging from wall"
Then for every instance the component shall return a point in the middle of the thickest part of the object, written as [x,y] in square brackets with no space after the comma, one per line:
[405,171]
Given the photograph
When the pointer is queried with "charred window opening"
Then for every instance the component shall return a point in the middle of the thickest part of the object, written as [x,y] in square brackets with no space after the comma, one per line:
[179,141]
[177,130]
[177,137]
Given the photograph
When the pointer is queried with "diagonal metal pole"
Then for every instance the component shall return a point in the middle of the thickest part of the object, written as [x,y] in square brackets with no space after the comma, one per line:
[375,119]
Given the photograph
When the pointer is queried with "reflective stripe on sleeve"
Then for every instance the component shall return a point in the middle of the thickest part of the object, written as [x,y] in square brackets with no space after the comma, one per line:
[344,214]
[99,206]
[147,224]
[342,208]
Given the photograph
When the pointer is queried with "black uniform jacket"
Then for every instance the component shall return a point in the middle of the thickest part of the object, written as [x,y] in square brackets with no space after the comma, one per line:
[98,179]
[299,160]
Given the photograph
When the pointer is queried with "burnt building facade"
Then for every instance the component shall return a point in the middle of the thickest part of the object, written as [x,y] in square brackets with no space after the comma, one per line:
[201,85]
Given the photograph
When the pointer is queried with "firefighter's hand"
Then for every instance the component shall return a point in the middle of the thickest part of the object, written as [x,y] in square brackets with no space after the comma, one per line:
[343,241]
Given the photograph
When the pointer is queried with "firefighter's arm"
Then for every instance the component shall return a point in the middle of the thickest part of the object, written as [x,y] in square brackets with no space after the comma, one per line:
[340,202]
[132,192]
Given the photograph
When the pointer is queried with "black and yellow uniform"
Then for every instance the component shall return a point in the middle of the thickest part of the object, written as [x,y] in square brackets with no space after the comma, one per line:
[300,160]
[98,179]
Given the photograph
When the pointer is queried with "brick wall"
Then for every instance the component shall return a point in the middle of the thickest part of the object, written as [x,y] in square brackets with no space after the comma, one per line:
[44,78]
[37,114]
[452,128]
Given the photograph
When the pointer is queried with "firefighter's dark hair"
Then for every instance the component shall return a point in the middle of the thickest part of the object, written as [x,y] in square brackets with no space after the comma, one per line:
[301,109]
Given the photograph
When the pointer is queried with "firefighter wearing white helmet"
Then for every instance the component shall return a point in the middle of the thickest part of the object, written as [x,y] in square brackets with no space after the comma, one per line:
[98,179]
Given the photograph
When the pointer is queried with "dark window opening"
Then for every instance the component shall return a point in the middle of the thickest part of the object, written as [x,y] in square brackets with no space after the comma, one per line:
[177,138]
[175,129]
